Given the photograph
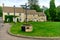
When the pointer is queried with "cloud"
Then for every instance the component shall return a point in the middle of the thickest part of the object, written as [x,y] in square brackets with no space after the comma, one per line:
[22,2]
[13,2]
[44,3]
[57,2]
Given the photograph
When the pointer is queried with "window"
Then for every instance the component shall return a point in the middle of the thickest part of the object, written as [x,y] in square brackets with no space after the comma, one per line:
[20,19]
[19,14]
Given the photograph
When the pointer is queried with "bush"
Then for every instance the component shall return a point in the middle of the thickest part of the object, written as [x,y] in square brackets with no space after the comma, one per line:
[9,18]
[1,11]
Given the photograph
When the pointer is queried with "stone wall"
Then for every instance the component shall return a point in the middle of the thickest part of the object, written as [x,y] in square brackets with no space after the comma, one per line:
[30,17]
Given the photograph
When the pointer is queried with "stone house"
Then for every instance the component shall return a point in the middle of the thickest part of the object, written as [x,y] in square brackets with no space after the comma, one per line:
[32,15]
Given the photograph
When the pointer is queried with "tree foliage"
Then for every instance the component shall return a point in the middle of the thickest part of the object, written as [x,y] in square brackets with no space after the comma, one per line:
[33,2]
[58,13]
[0,11]
[36,7]
[52,10]
[53,13]
[47,14]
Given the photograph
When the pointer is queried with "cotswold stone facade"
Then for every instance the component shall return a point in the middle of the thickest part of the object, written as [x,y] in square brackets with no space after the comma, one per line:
[32,15]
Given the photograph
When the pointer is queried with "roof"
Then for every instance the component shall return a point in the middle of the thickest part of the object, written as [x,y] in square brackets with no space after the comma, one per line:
[41,14]
[17,10]
[11,10]
[31,11]
[21,10]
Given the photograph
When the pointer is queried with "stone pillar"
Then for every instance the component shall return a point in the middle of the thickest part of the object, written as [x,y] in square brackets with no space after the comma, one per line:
[3,11]
[14,10]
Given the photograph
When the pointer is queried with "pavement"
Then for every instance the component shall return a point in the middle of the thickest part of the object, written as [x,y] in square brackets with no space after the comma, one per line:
[5,36]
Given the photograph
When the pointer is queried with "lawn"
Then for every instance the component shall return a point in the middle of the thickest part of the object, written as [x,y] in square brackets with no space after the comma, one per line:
[40,29]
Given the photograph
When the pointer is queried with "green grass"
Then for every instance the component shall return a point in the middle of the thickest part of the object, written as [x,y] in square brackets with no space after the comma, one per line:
[40,29]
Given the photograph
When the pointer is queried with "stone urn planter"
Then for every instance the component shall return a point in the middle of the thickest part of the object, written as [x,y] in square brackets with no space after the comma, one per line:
[26,28]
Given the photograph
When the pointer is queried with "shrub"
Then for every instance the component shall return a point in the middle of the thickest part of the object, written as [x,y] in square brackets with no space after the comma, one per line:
[9,18]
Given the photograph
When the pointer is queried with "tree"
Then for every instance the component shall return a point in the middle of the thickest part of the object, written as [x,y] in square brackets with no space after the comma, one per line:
[52,10]
[58,13]
[34,5]
[0,11]
[47,14]
[32,2]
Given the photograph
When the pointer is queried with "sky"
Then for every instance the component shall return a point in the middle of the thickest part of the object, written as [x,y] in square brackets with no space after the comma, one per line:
[17,3]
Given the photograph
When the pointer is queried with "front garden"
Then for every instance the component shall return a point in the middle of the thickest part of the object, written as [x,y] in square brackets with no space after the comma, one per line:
[40,29]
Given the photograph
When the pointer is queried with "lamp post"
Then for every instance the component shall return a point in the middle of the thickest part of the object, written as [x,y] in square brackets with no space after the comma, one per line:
[25,7]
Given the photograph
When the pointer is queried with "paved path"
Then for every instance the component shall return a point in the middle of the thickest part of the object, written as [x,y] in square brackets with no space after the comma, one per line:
[5,36]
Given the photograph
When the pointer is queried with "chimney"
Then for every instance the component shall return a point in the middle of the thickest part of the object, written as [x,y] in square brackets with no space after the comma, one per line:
[43,9]
[3,4]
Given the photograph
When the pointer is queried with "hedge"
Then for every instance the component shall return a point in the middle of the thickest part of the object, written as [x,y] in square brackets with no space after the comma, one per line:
[9,17]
